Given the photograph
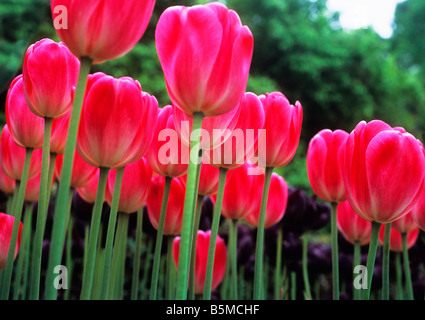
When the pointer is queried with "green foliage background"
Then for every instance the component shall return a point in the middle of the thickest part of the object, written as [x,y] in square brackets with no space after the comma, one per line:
[339,77]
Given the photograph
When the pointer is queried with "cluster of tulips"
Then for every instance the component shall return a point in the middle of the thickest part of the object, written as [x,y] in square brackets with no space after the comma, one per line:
[107,140]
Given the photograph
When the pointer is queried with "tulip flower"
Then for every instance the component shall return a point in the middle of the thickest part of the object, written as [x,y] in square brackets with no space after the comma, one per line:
[88,193]
[377,161]
[418,212]
[396,242]
[94,29]
[354,228]
[6,226]
[59,132]
[7,186]
[324,173]
[208,179]
[220,260]
[82,172]
[276,147]
[167,158]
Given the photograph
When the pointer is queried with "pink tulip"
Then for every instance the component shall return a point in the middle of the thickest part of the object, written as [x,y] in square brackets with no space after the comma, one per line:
[396,243]
[50,74]
[117,122]
[167,155]
[174,213]
[352,226]
[88,193]
[6,226]
[25,127]
[208,179]
[101,30]
[82,172]
[378,161]
[13,157]
[276,202]
[59,134]
[324,165]
[405,224]
[205,54]
[33,189]
[238,148]
[282,130]
[7,185]
[135,186]
[201,256]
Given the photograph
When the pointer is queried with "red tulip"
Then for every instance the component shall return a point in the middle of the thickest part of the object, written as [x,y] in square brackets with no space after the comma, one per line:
[201,256]
[405,224]
[25,127]
[276,202]
[352,226]
[324,165]
[50,74]
[82,172]
[117,122]
[205,53]
[215,130]
[174,213]
[396,243]
[168,157]
[282,130]
[13,157]
[237,203]
[59,134]
[378,161]
[88,193]
[135,186]
[208,180]
[6,226]
[101,30]
[7,185]
[238,148]
[33,189]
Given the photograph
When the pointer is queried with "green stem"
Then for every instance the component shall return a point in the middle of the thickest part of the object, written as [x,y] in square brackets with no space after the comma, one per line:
[386,263]
[55,252]
[188,211]
[233,241]
[15,197]
[170,268]
[258,271]
[356,262]
[399,276]
[52,164]
[214,233]
[159,236]
[9,204]
[25,242]
[193,251]
[26,290]
[122,257]
[277,272]
[335,268]
[110,233]
[305,266]
[146,266]
[407,274]
[371,257]
[93,235]
[69,262]
[293,285]
[7,278]
[137,253]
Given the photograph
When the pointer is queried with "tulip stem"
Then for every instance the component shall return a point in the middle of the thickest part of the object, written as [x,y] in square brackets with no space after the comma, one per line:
[137,253]
[233,242]
[188,211]
[68,256]
[18,214]
[193,251]
[335,268]
[258,271]
[9,204]
[399,276]
[386,263]
[93,235]
[305,266]
[55,252]
[170,268]
[277,272]
[146,265]
[15,198]
[25,245]
[110,233]
[50,178]
[373,244]
[214,233]
[356,262]
[293,285]
[407,273]
[159,236]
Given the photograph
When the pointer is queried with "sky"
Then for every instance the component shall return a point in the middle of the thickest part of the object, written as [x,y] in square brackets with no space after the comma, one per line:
[356,14]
